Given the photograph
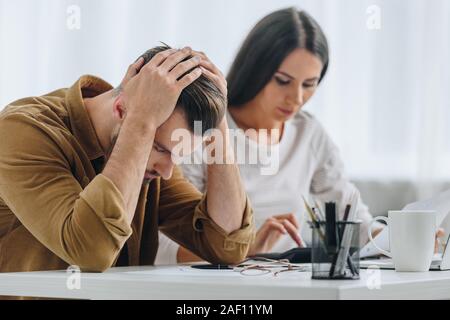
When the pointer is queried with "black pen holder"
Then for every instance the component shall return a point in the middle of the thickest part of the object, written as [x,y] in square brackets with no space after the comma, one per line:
[336,258]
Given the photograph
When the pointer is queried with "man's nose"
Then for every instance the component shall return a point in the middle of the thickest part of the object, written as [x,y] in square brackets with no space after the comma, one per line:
[165,168]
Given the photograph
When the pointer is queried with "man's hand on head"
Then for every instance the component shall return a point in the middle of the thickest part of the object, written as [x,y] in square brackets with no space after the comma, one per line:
[152,94]
[213,73]
[133,70]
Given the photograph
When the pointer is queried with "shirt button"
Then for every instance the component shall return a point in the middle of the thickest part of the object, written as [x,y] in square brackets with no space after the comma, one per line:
[229,245]
[199,225]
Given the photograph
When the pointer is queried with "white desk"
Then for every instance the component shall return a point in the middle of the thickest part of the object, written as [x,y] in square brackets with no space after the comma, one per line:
[177,282]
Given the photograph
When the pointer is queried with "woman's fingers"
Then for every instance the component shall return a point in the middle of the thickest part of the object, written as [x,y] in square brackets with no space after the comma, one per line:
[289,216]
[439,234]
[274,225]
[267,235]
[291,224]
[293,232]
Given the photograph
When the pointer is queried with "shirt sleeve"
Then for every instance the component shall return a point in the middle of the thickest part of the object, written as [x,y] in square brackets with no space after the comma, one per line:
[330,183]
[184,218]
[167,251]
[85,227]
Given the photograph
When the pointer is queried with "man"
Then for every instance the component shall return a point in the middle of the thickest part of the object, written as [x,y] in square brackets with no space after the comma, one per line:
[87,177]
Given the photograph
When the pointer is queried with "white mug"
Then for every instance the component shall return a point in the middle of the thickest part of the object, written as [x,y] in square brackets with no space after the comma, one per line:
[411,239]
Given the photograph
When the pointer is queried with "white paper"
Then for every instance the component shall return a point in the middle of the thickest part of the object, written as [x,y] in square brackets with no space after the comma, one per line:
[439,203]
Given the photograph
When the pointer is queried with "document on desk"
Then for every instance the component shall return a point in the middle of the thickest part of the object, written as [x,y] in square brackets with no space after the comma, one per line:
[439,203]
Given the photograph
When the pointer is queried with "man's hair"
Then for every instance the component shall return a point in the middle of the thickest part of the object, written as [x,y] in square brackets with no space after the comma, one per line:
[200,101]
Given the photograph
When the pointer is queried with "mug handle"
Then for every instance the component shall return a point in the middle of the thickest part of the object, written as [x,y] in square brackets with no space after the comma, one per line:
[385,219]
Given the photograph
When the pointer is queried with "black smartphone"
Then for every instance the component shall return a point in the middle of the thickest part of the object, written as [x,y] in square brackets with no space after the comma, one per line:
[212,266]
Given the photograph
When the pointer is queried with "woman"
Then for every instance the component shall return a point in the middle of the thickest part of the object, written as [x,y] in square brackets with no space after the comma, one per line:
[275,73]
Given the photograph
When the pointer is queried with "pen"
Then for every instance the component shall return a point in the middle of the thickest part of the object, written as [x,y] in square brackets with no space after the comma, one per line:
[310,211]
[319,211]
[331,227]
[332,234]
[314,218]
[346,213]
[345,236]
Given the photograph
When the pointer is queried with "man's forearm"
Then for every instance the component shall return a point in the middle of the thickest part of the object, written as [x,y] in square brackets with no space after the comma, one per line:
[226,197]
[128,160]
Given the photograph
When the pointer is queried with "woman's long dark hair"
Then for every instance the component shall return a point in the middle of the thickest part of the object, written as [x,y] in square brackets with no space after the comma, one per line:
[271,40]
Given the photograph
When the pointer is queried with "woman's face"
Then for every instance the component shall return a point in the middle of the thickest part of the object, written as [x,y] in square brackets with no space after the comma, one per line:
[291,86]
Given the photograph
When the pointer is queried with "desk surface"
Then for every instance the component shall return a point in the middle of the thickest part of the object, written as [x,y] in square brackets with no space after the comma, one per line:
[183,282]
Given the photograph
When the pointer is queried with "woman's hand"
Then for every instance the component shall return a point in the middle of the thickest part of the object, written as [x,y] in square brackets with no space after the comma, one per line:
[439,234]
[272,230]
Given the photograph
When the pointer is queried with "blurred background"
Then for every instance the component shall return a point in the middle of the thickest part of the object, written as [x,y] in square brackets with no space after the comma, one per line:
[384,101]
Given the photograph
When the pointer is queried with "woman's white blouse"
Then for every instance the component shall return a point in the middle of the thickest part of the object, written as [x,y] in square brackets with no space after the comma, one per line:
[308,164]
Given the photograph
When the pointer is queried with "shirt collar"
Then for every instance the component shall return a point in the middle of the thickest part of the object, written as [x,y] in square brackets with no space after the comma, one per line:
[81,125]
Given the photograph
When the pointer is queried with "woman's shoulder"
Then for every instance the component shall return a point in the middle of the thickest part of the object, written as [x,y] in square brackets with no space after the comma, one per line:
[306,119]
[306,123]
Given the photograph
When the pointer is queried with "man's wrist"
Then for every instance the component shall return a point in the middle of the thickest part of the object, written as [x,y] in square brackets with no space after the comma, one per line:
[223,152]
[142,125]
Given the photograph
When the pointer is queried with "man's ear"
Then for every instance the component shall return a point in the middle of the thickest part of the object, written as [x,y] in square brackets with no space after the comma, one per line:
[119,109]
